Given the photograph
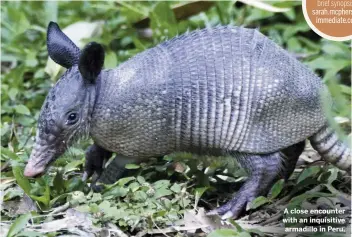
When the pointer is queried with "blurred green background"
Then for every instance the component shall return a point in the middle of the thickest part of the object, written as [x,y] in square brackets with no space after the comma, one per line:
[124,29]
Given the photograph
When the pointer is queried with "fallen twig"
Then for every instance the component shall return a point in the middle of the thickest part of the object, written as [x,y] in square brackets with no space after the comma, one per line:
[272,219]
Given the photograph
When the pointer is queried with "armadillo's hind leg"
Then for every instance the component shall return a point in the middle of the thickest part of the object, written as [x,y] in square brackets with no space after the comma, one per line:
[263,171]
[327,144]
[289,157]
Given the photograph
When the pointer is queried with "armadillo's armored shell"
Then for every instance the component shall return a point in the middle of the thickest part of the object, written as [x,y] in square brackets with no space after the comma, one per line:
[227,89]
[256,98]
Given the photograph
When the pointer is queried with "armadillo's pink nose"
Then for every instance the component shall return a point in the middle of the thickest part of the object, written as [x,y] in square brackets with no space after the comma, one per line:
[32,171]
[36,163]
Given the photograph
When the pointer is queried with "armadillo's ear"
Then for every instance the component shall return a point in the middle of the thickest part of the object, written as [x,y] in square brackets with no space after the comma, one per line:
[91,61]
[60,48]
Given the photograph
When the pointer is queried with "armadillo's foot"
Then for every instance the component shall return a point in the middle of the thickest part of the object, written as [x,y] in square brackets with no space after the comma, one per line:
[237,205]
[95,159]
[263,171]
[115,170]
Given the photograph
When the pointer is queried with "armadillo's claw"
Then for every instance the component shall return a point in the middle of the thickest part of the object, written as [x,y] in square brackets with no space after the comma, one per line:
[85,176]
[220,210]
[212,213]
[97,188]
[96,157]
[227,215]
[234,207]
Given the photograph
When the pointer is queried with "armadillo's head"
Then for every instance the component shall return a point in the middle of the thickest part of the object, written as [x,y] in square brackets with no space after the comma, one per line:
[67,109]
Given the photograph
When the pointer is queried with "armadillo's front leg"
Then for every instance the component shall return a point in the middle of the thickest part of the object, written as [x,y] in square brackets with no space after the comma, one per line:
[263,171]
[115,170]
[96,156]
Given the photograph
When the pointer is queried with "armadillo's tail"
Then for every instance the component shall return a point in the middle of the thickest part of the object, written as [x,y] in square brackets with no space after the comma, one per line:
[327,144]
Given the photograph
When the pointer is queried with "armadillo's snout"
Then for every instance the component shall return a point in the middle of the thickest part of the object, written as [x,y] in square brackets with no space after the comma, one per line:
[40,159]
[33,171]
[36,164]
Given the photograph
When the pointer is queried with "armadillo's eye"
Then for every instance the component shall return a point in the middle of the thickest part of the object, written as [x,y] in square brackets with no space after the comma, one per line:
[72,118]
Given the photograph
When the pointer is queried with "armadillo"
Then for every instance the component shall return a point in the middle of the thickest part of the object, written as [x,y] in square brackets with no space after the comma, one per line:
[217,91]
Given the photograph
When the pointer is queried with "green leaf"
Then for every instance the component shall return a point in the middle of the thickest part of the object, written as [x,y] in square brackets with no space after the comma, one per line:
[11,193]
[21,23]
[184,203]
[96,197]
[162,192]
[291,15]
[73,165]
[256,232]
[176,188]
[132,166]
[161,184]
[335,48]
[199,191]
[198,194]
[259,201]
[224,9]
[345,89]
[104,205]
[140,196]
[328,63]
[234,223]
[134,186]
[163,21]
[6,154]
[22,109]
[294,45]
[132,11]
[31,59]
[244,234]
[116,191]
[257,14]
[5,130]
[115,213]
[74,183]
[167,204]
[83,208]
[12,93]
[15,76]
[309,43]
[45,198]
[51,10]
[110,60]
[94,208]
[290,31]
[57,198]
[126,180]
[59,184]
[333,176]
[21,180]
[139,45]
[308,172]
[276,189]
[308,182]
[141,179]
[307,195]
[19,224]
